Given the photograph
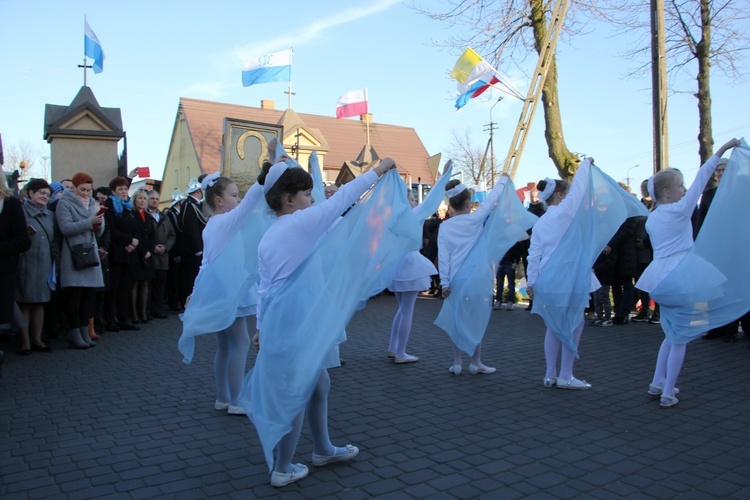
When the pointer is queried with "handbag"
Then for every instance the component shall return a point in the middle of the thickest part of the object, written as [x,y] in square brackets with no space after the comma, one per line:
[84,254]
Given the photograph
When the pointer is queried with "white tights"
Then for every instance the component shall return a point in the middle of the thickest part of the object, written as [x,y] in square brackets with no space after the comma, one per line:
[230,359]
[401,327]
[317,418]
[668,366]
[552,347]
[475,358]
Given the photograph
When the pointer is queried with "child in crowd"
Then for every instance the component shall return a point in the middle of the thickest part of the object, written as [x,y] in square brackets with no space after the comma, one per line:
[604,269]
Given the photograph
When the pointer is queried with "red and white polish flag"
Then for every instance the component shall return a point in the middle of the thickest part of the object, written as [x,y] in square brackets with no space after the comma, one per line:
[352,103]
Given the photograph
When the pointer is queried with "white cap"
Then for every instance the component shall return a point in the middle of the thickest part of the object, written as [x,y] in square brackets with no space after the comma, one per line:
[193,185]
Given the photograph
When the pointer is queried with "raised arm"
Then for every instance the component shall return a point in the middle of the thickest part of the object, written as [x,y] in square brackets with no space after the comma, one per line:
[317,219]
[231,222]
[569,205]
[484,209]
[687,204]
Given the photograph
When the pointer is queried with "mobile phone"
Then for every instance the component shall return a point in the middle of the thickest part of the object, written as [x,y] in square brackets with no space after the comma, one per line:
[102,210]
[31,230]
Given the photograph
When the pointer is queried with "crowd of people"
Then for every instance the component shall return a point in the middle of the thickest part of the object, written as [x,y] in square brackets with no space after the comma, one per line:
[83,261]
[112,262]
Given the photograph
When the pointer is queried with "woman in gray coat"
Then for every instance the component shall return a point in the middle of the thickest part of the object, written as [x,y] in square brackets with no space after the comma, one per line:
[36,265]
[78,219]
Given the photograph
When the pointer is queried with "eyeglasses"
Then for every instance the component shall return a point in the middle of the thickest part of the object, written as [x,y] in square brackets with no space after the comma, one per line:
[44,193]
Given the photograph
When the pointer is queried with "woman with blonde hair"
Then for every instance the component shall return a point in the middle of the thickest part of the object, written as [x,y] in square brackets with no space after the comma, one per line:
[143,270]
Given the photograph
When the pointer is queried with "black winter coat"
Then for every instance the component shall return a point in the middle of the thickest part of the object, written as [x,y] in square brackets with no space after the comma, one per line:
[122,230]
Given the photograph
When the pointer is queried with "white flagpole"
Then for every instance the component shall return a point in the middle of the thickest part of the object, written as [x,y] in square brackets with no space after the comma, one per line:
[84,52]
[291,53]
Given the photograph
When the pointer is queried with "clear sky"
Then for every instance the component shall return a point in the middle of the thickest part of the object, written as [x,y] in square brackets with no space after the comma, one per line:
[159,51]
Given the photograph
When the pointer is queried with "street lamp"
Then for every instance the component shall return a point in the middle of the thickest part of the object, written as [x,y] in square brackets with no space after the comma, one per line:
[627,175]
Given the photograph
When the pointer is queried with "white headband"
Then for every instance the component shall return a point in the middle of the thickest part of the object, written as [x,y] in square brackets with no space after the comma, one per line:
[455,191]
[274,173]
[548,189]
[209,180]
[650,188]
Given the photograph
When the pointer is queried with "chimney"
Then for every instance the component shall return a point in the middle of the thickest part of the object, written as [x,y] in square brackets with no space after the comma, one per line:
[267,104]
[366,118]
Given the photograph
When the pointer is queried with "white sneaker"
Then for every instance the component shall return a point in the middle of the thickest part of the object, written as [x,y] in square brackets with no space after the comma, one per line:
[221,405]
[509,306]
[496,305]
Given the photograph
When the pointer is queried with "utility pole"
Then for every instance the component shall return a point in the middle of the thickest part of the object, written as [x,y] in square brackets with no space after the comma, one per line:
[490,127]
[627,176]
[659,86]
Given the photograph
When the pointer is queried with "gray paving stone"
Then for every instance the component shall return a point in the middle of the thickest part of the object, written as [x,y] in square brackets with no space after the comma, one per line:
[422,431]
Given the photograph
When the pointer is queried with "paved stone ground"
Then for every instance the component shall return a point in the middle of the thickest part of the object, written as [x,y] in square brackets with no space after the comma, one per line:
[128,419]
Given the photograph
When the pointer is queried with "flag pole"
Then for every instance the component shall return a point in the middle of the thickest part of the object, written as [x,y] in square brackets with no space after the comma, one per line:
[367,122]
[84,51]
[291,53]
[84,66]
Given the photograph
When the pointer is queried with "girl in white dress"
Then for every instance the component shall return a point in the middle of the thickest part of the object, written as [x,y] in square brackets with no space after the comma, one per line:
[468,247]
[414,274]
[565,243]
[286,381]
[562,201]
[670,229]
[229,263]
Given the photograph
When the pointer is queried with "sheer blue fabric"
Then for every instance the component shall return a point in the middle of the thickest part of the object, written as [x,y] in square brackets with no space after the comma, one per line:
[561,292]
[437,194]
[466,312]
[313,166]
[709,287]
[227,287]
[303,317]
[415,270]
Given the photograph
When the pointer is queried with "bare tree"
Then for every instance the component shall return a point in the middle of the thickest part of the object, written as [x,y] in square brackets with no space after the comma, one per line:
[33,157]
[709,33]
[470,159]
[508,31]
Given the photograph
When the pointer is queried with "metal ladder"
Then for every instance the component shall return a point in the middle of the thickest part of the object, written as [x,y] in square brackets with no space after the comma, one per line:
[535,90]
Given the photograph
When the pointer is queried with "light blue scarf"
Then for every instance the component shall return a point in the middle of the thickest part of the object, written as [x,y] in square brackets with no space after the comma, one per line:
[119,204]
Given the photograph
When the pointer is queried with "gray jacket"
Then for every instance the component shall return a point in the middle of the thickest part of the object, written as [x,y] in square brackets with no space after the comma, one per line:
[36,263]
[75,226]
[165,235]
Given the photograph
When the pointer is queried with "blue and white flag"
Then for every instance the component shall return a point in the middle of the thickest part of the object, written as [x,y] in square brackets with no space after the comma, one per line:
[92,48]
[276,67]
[480,192]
